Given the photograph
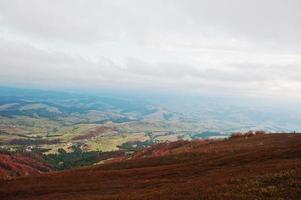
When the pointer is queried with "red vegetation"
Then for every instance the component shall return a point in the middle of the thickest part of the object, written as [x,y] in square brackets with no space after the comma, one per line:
[93,133]
[163,149]
[14,165]
[32,142]
[111,156]
[263,166]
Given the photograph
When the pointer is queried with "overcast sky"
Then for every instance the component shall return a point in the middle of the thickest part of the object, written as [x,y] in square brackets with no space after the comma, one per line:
[247,47]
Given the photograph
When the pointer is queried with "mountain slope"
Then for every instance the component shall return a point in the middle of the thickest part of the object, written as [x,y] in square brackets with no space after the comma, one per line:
[255,167]
[16,164]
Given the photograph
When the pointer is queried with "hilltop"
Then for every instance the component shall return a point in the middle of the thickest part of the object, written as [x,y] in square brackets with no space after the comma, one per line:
[262,166]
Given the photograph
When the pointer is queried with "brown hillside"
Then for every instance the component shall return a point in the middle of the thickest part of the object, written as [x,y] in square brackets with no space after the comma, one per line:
[255,167]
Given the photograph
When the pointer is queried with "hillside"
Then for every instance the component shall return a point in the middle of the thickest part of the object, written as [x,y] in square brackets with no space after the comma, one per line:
[16,164]
[264,166]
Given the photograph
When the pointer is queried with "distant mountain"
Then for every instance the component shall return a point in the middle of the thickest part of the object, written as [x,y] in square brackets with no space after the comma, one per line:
[60,105]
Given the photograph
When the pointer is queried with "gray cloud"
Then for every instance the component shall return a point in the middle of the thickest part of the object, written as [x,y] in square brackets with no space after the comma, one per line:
[242,47]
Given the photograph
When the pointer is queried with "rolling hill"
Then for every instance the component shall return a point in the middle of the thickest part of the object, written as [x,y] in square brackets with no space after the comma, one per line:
[262,166]
[110,121]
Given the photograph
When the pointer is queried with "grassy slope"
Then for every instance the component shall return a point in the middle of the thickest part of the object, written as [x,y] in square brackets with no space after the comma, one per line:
[258,167]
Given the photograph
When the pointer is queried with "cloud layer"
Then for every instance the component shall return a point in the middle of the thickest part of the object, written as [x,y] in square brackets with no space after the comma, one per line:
[241,47]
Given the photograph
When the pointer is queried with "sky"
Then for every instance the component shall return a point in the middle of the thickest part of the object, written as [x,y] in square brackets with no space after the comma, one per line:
[240,47]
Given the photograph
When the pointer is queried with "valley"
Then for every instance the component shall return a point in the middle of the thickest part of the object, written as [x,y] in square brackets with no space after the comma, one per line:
[70,130]
[53,120]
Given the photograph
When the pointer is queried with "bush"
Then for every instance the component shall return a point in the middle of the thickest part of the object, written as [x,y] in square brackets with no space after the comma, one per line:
[260,132]
[242,135]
